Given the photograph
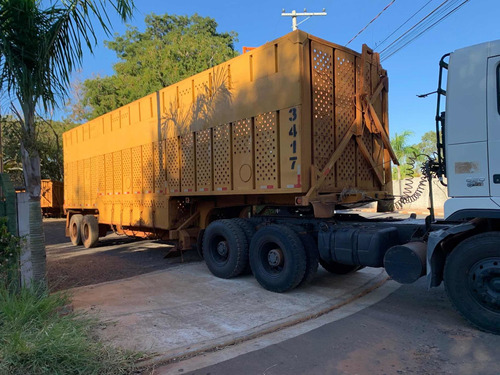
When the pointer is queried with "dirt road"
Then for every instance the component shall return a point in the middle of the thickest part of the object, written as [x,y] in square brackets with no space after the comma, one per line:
[115,257]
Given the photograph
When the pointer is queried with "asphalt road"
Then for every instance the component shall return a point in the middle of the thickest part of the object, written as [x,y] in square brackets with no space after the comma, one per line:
[413,331]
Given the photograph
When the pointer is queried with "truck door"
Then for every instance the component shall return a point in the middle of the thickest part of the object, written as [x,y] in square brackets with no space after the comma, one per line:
[493,112]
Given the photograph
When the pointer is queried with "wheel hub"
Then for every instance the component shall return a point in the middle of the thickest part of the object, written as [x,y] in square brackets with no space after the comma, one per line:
[222,248]
[484,278]
[275,257]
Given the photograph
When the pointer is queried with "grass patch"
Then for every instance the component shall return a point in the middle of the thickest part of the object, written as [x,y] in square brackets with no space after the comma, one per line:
[36,339]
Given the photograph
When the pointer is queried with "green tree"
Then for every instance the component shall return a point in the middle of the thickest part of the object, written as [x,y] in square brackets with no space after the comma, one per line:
[403,151]
[41,43]
[48,144]
[170,49]
[427,145]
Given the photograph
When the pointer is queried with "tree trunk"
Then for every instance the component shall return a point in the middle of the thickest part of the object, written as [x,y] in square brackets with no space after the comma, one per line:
[32,178]
[36,238]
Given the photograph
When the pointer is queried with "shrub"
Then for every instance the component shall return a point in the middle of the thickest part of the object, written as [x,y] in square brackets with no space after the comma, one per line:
[10,250]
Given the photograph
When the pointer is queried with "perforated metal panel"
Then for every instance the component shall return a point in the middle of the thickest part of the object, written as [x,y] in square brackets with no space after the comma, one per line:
[266,151]
[94,180]
[127,207]
[159,169]
[243,173]
[345,114]
[81,183]
[101,177]
[127,171]
[87,182]
[173,175]
[109,174]
[187,163]
[137,170]
[67,177]
[76,188]
[365,177]
[222,157]
[147,169]
[117,172]
[204,160]
[322,106]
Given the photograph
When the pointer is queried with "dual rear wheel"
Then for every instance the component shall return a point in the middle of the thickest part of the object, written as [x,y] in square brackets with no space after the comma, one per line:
[279,257]
[84,230]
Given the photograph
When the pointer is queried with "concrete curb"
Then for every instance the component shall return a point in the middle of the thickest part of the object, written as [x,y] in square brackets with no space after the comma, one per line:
[183,353]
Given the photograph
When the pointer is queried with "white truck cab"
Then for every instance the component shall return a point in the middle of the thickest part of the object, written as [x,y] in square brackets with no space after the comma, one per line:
[472,132]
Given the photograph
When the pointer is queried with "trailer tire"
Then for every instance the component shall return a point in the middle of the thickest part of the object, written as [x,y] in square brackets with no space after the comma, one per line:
[278,258]
[75,229]
[472,280]
[249,230]
[338,268]
[312,257]
[225,249]
[90,231]
[199,243]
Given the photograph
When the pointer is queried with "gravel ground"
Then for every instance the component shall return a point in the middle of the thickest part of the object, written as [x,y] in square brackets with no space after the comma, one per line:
[115,257]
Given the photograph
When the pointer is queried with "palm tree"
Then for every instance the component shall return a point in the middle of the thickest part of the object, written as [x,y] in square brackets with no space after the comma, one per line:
[402,150]
[41,44]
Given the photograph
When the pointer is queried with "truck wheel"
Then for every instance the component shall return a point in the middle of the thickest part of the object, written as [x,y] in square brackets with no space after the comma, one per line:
[338,268]
[312,258]
[75,229]
[472,280]
[90,231]
[199,243]
[225,249]
[249,230]
[277,258]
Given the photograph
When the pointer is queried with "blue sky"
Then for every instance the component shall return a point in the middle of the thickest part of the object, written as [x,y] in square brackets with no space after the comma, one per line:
[413,70]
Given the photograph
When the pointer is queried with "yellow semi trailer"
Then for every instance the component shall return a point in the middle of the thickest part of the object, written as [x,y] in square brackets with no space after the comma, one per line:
[296,126]
[298,122]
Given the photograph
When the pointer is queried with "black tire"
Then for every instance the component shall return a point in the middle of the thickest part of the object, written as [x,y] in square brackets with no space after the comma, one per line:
[75,229]
[338,268]
[225,249]
[312,257]
[90,231]
[472,280]
[249,230]
[199,243]
[277,258]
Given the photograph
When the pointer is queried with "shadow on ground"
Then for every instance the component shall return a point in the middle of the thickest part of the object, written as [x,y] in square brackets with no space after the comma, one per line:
[115,257]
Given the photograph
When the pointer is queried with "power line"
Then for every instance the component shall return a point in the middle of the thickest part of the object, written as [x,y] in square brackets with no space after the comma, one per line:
[369,23]
[428,28]
[404,23]
[416,25]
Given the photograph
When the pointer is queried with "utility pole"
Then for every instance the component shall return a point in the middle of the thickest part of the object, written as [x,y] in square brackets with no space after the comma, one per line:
[307,14]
